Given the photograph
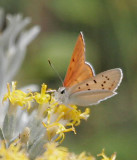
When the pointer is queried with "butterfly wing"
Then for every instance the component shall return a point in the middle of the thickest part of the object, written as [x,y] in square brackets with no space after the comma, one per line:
[78,70]
[96,89]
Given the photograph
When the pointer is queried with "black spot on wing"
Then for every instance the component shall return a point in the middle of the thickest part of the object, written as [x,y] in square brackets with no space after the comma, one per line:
[95,81]
[107,77]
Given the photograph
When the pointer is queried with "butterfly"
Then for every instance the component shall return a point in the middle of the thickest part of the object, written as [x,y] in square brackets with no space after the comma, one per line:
[81,86]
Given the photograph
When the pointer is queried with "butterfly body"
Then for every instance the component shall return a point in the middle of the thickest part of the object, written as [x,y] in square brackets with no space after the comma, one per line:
[81,86]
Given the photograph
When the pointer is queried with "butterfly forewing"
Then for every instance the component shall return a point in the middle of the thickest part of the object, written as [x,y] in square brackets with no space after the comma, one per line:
[78,70]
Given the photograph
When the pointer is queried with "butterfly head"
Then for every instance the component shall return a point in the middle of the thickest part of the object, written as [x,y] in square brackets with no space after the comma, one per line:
[62,90]
[61,95]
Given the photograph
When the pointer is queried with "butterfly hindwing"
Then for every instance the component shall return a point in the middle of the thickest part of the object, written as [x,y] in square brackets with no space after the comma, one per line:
[96,89]
[86,98]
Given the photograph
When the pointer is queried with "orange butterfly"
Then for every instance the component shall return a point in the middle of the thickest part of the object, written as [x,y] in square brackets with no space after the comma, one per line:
[81,86]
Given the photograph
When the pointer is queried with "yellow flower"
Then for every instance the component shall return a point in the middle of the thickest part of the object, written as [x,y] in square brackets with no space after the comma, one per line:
[71,115]
[14,152]
[42,97]
[53,152]
[57,129]
[64,120]
[104,157]
[18,97]
[82,156]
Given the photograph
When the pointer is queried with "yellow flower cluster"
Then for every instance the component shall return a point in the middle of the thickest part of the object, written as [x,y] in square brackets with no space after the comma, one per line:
[104,157]
[18,97]
[60,119]
[13,152]
[65,121]
[57,120]
[54,152]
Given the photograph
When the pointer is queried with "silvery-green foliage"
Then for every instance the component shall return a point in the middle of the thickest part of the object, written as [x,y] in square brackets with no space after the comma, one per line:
[14,39]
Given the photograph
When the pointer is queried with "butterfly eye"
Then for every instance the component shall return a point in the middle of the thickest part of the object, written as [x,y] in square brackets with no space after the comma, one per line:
[63,91]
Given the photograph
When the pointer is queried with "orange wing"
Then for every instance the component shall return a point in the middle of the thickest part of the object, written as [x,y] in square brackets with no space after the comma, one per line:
[78,69]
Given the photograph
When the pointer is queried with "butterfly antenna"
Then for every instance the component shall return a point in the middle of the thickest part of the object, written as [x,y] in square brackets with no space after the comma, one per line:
[55,71]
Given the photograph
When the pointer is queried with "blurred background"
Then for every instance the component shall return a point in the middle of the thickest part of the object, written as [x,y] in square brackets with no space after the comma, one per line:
[110,31]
